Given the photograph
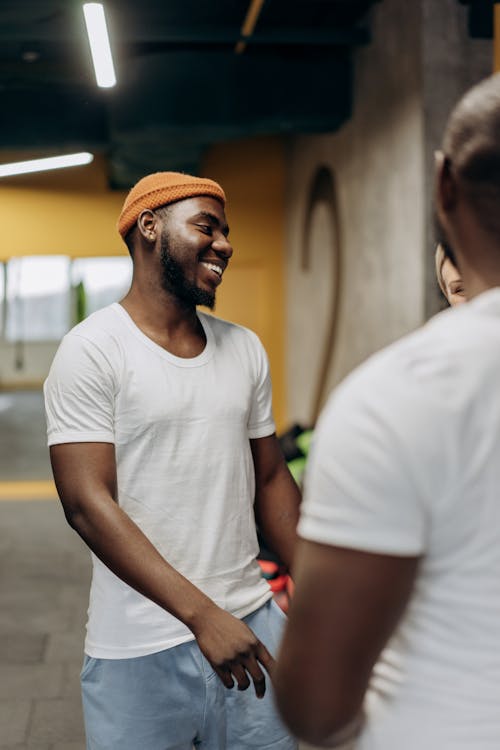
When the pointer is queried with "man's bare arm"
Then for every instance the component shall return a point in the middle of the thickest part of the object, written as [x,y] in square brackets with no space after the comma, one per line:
[277,498]
[345,607]
[85,476]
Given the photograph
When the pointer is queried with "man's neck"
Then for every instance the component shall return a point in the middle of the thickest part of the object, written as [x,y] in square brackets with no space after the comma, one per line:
[166,321]
[479,267]
[477,253]
[477,282]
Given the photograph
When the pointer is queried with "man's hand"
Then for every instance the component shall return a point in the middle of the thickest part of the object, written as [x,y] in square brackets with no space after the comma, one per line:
[233,650]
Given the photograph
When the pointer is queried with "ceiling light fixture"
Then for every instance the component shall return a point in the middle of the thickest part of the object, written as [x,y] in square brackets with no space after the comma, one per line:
[41,165]
[97,31]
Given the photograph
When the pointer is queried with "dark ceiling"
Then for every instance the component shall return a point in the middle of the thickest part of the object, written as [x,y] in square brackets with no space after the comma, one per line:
[181,84]
[480,18]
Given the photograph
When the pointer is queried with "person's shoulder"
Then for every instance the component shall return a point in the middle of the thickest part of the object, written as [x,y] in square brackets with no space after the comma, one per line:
[228,329]
[90,346]
[452,342]
[99,325]
[437,364]
[397,370]
[101,336]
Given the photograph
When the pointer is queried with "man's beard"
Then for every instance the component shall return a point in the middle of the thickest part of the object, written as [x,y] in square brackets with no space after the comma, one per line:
[174,280]
[441,239]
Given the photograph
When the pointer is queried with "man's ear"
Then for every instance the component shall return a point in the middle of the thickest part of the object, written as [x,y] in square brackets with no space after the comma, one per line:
[147,225]
[446,186]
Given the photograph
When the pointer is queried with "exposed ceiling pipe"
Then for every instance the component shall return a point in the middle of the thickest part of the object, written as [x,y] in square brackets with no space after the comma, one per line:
[249,24]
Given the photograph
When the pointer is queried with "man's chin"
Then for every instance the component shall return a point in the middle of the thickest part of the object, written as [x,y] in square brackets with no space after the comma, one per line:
[204,298]
[189,295]
[210,303]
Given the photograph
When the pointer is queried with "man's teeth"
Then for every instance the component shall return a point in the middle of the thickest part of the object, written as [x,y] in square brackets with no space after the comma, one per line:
[213,267]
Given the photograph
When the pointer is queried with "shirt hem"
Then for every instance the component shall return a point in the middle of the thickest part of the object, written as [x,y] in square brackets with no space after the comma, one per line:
[81,437]
[264,431]
[96,652]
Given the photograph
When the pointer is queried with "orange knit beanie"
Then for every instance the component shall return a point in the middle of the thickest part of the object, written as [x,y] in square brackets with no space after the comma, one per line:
[159,189]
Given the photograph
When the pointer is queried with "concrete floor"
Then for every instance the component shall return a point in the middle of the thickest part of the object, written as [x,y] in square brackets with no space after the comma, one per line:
[44,579]
[44,584]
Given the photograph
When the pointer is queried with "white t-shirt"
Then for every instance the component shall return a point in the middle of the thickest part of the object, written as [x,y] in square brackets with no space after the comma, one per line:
[181,430]
[406,461]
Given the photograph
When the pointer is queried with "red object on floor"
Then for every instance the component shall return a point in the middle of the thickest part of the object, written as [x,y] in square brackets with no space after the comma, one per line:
[278,583]
[281,584]
[269,568]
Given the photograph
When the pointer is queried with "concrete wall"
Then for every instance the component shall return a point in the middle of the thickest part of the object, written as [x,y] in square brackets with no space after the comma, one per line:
[419,61]
[377,162]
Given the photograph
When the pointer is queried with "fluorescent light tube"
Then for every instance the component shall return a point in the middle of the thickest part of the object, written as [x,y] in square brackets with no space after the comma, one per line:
[40,165]
[99,44]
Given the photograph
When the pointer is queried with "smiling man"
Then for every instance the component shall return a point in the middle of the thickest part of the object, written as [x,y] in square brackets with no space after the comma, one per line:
[163,444]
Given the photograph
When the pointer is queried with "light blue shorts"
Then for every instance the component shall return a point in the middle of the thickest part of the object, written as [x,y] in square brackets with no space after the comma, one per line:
[173,700]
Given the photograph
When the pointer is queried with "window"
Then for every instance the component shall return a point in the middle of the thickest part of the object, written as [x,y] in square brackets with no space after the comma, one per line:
[38,298]
[43,296]
[98,282]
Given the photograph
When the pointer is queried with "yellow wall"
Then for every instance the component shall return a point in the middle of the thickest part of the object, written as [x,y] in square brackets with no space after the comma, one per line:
[252,173]
[68,212]
[72,212]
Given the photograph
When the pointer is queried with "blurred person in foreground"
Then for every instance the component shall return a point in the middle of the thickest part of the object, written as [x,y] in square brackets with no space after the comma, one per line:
[394,629]
[448,277]
[163,446]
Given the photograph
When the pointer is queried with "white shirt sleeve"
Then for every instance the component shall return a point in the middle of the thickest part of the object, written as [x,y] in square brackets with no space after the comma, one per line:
[79,394]
[260,420]
[361,490]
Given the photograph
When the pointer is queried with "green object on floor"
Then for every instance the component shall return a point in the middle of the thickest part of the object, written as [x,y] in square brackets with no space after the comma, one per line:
[297,467]
[304,441]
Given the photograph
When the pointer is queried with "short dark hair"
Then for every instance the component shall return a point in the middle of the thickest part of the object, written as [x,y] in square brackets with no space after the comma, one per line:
[471,144]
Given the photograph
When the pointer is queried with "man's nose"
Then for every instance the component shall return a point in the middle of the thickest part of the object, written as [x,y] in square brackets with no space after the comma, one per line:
[222,246]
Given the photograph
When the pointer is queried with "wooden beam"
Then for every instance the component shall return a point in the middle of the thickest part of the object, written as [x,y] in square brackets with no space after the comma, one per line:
[249,23]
